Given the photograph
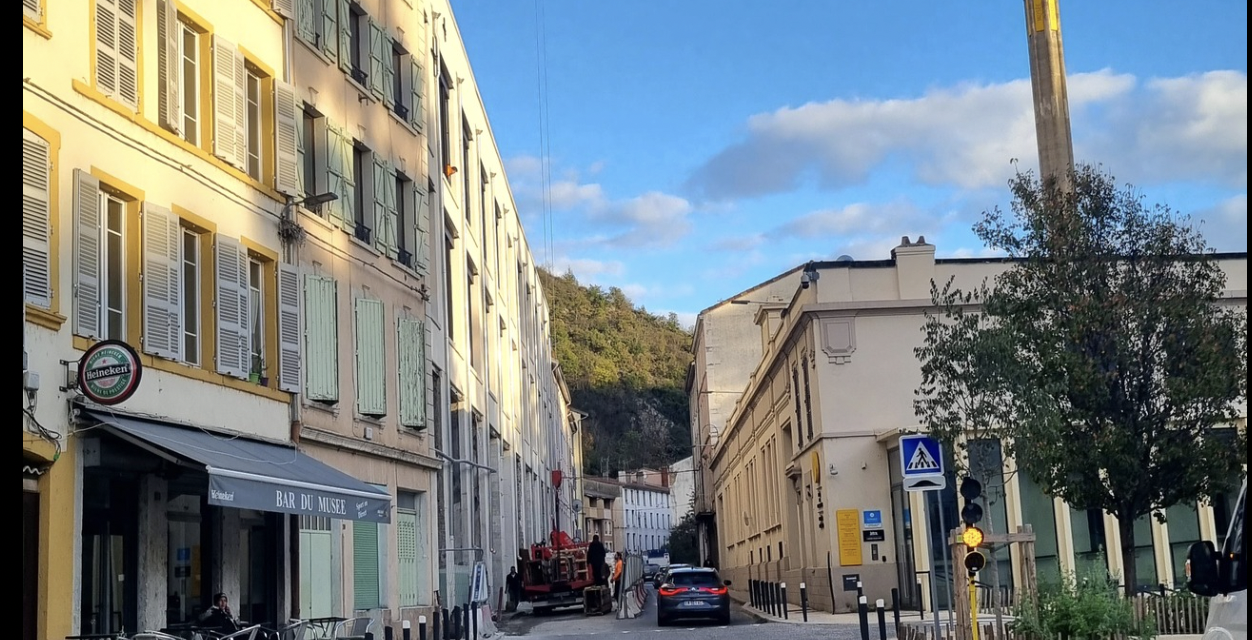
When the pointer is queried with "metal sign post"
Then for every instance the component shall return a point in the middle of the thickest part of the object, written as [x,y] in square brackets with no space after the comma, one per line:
[921,462]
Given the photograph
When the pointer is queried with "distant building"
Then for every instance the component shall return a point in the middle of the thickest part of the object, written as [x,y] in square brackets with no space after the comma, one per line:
[682,489]
[647,509]
[602,510]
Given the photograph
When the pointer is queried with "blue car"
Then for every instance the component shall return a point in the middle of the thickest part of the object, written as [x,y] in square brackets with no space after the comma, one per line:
[692,593]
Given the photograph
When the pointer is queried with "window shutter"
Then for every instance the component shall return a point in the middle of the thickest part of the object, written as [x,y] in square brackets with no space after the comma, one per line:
[384,207]
[288,328]
[422,198]
[241,111]
[285,8]
[307,19]
[371,391]
[106,46]
[406,556]
[417,87]
[389,74]
[375,79]
[335,181]
[345,33]
[286,139]
[127,53]
[234,338]
[301,178]
[365,574]
[321,339]
[86,254]
[224,100]
[33,9]
[169,68]
[315,573]
[328,37]
[36,218]
[411,348]
[351,181]
[162,283]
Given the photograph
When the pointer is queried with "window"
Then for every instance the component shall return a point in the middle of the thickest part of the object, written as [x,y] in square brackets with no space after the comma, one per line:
[117,50]
[445,122]
[360,160]
[403,218]
[312,152]
[356,22]
[189,52]
[321,328]
[371,358]
[447,289]
[252,122]
[191,274]
[466,176]
[399,97]
[256,316]
[36,219]
[113,267]
[473,313]
[808,397]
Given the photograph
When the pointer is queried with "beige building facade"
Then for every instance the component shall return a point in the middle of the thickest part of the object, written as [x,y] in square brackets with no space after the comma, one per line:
[805,476]
[602,510]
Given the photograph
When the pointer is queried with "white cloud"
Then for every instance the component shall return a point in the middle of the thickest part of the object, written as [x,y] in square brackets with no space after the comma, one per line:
[586,269]
[567,195]
[965,136]
[1225,225]
[523,166]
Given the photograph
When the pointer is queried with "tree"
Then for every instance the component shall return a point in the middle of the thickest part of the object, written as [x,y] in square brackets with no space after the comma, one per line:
[684,547]
[1104,359]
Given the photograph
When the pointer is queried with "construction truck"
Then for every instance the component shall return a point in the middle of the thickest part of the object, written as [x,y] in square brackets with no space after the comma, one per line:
[554,574]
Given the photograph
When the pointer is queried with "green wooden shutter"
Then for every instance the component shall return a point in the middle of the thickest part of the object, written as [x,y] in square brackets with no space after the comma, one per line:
[371,385]
[385,218]
[406,556]
[375,78]
[345,34]
[307,20]
[417,85]
[389,73]
[422,199]
[328,38]
[365,574]
[411,347]
[315,574]
[339,177]
[321,339]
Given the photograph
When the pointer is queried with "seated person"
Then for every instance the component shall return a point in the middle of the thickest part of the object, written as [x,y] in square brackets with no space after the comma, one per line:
[219,616]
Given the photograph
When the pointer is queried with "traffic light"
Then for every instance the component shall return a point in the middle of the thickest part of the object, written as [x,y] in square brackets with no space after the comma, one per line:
[971,514]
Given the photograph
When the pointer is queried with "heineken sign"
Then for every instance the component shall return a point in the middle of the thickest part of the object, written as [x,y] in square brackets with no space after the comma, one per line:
[109,372]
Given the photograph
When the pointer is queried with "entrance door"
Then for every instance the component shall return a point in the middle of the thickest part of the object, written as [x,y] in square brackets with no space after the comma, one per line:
[30,565]
[905,568]
[109,554]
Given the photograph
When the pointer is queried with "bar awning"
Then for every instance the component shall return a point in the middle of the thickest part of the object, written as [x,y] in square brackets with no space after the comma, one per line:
[249,474]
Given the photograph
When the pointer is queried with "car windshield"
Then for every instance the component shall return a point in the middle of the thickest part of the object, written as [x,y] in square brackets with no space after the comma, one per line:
[1236,545]
[695,579]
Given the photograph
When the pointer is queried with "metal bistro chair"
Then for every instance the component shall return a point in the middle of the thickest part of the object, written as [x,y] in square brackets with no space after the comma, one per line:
[154,635]
[353,629]
[296,630]
[243,634]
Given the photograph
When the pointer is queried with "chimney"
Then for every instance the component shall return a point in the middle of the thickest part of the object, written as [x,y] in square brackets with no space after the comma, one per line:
[915,268]
[665,477]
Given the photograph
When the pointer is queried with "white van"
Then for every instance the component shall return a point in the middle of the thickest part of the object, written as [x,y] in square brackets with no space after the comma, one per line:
[1224,577]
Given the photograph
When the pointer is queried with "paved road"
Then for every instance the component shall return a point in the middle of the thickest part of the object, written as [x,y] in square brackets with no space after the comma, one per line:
[570,624]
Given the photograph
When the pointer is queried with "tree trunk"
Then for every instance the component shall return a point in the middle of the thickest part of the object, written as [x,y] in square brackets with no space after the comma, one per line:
[1126,529]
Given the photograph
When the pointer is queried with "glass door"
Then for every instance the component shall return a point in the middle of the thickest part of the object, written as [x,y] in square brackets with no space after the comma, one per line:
[109,555]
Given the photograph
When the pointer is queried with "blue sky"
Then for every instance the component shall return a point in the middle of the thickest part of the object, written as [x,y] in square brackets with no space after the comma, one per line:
[698,147]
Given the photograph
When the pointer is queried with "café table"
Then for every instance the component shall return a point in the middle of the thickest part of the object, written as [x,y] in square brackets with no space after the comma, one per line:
[322,627]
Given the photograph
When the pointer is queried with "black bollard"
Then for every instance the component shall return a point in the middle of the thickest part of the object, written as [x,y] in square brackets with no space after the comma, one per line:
[751,592]
[804,601]
[369,635]
[771,599]
[441,625]
[406,632]
[860,589]
[421,628]
[388,633]
[777,600]
[782,596]
[895,609]
[474,619]
[465,622]
[863,614]
[882,619]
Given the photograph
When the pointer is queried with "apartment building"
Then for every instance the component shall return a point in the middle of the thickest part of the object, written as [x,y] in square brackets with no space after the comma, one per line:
[602,510]
[806,476]
[647,509]
[283,339]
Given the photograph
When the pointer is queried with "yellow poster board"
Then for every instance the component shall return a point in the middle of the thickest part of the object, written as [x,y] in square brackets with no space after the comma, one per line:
[848,526]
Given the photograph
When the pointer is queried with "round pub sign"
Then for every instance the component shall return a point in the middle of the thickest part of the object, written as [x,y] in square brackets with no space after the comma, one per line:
[109,372]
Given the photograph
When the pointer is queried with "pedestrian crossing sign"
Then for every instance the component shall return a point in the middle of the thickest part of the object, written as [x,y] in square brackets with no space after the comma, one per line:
[920,456]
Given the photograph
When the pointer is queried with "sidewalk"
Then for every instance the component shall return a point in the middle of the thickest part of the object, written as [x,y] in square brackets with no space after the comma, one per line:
[824,618]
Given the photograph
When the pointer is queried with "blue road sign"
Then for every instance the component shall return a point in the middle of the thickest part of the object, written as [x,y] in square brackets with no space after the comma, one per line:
[920,456]
[871,519]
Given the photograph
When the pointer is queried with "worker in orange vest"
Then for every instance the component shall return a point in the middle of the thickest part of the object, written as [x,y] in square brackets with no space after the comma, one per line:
[618,567]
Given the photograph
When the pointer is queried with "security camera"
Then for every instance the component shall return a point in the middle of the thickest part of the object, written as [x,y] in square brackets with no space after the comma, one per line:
[804,281]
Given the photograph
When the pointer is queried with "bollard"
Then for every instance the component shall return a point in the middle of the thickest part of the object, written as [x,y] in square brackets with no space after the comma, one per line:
[860,589]
[782,597]
[369,635]
[882,619]
[421,628]
[474,619]
[773,597]
[804,602]
[752,592]
[863,616]
[778,604]
[389,633]
[441,632]
[895,609]
[465,622]
[406,631]
[765,600]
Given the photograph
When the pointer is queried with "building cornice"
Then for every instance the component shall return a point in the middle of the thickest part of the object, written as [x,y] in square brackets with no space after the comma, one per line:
[338,441]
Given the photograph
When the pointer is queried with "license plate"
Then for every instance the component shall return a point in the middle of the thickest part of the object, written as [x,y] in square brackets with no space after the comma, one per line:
[694,603]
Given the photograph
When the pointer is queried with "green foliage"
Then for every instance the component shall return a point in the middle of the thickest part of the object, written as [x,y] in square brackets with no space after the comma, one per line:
[1105,360]
[1078,609]
[626,368]
[683,544]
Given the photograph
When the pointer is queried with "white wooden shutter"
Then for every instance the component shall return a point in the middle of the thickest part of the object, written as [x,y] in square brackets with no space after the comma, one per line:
[345,33]
[384,207]
[241,111]
[106,47]
[389,73]
[169,67]
[417,89]
[375,79]
[411,366]
[406,556]
[286,139]
[371,383]
[162,283]
[128,52]
[234,335]
[321,339]
[33,9]
[307,20]
[86,254]
[338,167]
[289,328]
[422,200]
[224,101]
[36,218]
[285,8]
